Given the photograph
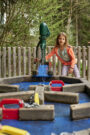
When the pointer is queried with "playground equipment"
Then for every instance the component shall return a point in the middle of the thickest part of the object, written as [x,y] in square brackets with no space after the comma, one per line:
[11,113]
[12,131]
[55,88]
[44,33]
[36,98]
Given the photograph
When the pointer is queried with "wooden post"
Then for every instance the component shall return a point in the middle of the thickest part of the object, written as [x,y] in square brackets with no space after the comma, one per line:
[48,51]
[19,61]
[83,62]
[9,61]
[24,60]
[88,64]
[29,60]
[59,67]
[79,57]
[0,64]
[14,61]
[40,91]
[34,56]
[54,65]
[4,61]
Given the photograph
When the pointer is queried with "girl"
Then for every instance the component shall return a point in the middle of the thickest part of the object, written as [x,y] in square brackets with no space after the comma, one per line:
[66,55]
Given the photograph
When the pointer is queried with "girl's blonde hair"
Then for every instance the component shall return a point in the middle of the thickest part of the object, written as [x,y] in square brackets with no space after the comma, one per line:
[57,40]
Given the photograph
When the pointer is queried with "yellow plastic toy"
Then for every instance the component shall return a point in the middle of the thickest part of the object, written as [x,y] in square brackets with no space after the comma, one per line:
[2,134]
[12,131]
[36,98]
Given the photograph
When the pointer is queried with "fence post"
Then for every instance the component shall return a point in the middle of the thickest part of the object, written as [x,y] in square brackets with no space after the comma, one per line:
[79,57]
[88,64]
[0,63]
[4,61]
[19,61]
[14,61]
[83,62]
[29,60]
[24,60]
[59,67]
[9,61]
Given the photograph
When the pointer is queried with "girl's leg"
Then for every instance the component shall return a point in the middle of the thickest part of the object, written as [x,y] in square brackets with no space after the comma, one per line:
[64,70]
[76,71]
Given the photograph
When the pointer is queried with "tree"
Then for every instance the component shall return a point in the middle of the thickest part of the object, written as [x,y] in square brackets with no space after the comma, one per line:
[23,18]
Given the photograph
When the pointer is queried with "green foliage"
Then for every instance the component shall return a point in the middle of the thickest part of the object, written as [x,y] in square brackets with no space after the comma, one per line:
[24,17]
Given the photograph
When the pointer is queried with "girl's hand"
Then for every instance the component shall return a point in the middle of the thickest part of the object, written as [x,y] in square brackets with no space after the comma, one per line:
[70,70]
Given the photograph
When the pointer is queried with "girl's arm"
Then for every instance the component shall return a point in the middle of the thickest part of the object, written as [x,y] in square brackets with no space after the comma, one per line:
[50,54]
[72,56]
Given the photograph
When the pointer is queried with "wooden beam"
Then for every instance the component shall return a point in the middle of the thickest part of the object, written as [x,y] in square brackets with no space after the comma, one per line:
[74,88]
[42,112]
[40,91]
[62,97]
[21,95]
[1,114]
[8,88]
[80,111]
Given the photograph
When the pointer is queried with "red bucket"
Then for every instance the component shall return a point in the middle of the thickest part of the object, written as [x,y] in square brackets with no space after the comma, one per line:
[11,113]
[56,82]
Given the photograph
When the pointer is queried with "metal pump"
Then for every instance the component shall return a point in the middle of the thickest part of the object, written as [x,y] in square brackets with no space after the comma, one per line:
[44,33]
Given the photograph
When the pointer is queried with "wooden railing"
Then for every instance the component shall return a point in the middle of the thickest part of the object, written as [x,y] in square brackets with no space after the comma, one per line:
[17,61]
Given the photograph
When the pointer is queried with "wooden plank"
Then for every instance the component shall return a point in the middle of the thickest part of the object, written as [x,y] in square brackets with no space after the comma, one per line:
[74,88]
[71,80]
[82,132]
[80,111]
[59,67]
[88,64]
[62,97]
[79,57]
[34,56]
[48,51]
[83,62]
[24,60]
[21,95]
[11,80]
[0,64]
[38,56]
[14,61]
[40,91]
[88,89]
[4,61]
[19,61]
[9,61]
[1,115]
[54,65]
[8,88]
[42,112]
[29,60]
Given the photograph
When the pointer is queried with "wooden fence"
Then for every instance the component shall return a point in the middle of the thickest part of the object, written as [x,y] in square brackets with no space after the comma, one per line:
[17,61]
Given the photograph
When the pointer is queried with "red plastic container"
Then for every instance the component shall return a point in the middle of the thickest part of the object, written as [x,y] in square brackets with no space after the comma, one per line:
[56,82]
[11,113]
